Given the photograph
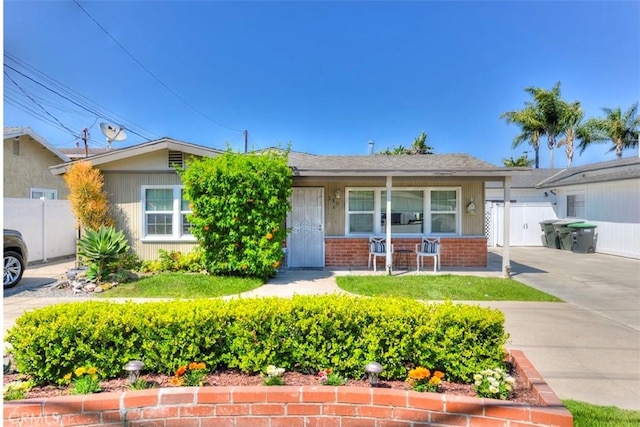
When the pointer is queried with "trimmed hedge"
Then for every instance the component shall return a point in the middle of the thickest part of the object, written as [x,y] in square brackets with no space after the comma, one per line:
[304,334]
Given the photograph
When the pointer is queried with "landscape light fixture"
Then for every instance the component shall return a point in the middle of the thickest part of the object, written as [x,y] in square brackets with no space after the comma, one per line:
[133,368]
[373,370]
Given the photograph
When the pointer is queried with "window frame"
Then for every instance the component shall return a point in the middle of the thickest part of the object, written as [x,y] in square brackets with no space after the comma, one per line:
[44,191]
[378,208]
[176,216]
[574,195]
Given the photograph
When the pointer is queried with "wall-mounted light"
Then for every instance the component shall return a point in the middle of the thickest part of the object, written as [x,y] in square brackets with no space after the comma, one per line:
[471,208]
[335,198]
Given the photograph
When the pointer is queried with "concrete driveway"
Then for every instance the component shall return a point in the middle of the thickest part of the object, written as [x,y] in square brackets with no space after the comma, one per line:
[587,348]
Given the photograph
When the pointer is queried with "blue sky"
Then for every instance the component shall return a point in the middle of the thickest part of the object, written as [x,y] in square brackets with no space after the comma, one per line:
[325,76]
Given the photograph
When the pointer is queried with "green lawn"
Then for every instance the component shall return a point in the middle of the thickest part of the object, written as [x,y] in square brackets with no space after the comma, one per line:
[182,285]
[443,287]
[588,415]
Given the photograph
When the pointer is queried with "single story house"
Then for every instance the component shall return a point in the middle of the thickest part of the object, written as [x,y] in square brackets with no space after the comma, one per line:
[606,194]
[338,202]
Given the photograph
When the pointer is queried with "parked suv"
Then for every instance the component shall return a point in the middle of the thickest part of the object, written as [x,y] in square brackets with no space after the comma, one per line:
[16,256]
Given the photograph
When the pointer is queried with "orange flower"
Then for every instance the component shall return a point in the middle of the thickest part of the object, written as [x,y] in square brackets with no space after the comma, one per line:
[176,381]
[206,228]
[269,236]
[181,370]
[193,366]
[419,373]
[201,365]
[435,380]
[244,266]
[438,374]
[276,264]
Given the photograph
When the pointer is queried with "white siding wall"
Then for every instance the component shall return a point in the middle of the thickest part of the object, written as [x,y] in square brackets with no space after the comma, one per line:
[615,208]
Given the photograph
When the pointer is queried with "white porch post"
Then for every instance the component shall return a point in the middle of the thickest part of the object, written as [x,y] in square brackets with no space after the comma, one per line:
[388,226]
[506,260]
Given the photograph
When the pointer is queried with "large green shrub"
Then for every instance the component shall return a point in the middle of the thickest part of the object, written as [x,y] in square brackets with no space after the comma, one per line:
[239,204]
[305,334]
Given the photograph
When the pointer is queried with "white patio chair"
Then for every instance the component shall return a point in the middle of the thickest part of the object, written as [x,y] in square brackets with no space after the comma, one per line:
[428,247]
[377,248]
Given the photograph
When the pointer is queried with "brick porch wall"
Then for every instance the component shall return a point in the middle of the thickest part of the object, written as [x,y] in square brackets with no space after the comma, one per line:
[455,252]
[320,406]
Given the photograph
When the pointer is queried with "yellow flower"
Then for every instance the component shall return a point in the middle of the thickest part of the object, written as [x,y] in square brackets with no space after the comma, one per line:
[67,377]
[80,371]
[435,380]
[419,373]
[438,374]
[201,366]
[92,370]
[193,366]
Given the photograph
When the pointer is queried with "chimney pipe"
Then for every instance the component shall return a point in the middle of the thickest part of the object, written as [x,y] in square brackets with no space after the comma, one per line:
[371,147]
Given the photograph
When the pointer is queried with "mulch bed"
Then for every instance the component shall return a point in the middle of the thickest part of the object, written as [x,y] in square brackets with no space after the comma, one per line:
[521,392]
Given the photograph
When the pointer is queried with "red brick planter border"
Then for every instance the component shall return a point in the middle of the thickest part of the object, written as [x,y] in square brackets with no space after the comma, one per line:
[307,406]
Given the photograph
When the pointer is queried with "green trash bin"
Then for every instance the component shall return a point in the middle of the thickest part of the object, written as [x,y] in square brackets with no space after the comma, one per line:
[548,233]
[583,236]
[564,238]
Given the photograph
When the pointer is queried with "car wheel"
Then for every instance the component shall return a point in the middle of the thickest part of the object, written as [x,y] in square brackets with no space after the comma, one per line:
[13,269]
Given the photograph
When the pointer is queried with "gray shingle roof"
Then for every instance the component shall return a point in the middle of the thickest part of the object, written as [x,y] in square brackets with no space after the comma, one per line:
[529,180]
[380,165]
[612,170]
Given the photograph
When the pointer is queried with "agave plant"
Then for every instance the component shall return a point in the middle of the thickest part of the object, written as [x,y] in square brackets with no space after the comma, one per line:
[100,248]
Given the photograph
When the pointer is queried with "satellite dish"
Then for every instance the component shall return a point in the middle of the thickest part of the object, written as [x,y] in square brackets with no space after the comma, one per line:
[113,133]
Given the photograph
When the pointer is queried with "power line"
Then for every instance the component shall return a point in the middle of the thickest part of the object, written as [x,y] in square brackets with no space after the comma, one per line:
[75,98]
[156,78]
[93,111]
[36,102]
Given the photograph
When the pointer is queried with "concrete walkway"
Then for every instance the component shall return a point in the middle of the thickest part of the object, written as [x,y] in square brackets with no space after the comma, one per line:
[587,348]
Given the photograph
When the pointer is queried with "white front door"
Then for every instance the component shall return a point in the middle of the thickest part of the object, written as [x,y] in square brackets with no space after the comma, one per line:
[305,244]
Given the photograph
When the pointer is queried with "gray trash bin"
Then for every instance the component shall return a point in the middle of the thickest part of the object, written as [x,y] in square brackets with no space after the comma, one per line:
[548,233]
[564,239]
[583,236]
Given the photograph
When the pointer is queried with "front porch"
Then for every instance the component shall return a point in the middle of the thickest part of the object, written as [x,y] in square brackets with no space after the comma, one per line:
[455,252]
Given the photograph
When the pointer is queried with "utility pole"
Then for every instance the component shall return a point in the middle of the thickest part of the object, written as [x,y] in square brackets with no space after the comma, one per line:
[246,137]
[85,136]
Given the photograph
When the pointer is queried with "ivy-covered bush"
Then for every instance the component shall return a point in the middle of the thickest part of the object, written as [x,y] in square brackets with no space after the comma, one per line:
[175,261]
[239,203]
[301,334]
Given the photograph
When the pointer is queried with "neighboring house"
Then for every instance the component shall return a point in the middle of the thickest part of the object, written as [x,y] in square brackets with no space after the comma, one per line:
[529,206]
[80,153]
[34,200]
[27,158]
[338,202]
[606,194]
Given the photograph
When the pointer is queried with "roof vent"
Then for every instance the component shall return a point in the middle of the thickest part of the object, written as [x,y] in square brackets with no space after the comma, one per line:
[176,158]
[16,146]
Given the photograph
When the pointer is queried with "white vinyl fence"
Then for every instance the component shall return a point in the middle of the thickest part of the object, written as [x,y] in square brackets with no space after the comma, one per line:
[525,223]
[48,226]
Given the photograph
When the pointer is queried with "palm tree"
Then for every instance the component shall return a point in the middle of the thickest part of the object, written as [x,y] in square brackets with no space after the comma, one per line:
[573,128]
[530,124]
[621,129]
[551,109]
[522,161]
[543,116]
[419,146]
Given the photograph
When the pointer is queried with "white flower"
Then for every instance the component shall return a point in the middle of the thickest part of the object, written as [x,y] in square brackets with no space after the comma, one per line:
[478,382]
[508,387]
[493,389]
[477,377]
[510,380]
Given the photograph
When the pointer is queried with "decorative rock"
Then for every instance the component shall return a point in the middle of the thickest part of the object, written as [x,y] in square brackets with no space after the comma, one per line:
[90,287]
[98,289]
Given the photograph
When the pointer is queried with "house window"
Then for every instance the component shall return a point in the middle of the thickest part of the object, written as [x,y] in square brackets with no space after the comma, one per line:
[165,213]
[413,211]
[361,211]
[575,206]
[43,193]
